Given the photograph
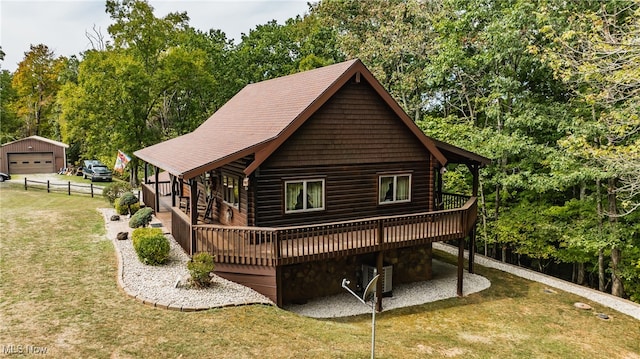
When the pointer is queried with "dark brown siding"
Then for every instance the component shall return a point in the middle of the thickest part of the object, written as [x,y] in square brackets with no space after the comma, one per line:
[261,279]
[37,146]
[348,142]
[240,216]
[354,126]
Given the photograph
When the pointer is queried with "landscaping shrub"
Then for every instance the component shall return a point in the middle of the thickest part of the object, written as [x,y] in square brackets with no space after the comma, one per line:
[122,210]
[128,199]
[151,245]
[200,267]
[142,218]
[115,190]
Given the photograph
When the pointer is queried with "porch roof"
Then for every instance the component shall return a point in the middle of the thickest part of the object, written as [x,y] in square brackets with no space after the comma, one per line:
[259,118]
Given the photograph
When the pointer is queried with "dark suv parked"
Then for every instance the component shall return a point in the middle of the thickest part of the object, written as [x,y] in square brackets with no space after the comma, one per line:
[96,171]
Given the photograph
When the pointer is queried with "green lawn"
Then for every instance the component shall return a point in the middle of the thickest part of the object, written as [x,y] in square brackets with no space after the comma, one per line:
[58,291]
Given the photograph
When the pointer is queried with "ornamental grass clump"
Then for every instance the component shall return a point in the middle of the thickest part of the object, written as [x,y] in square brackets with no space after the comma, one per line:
[200,267]
[141,218]
[151,245]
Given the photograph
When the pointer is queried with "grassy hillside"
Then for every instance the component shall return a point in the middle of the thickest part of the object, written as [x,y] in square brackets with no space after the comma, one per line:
[58,291]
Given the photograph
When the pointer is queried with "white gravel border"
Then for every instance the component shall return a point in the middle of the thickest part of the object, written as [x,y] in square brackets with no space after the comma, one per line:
[443,285]
[156,285]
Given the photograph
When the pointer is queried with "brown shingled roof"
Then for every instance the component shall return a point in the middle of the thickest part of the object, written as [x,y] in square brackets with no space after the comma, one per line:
[260,118]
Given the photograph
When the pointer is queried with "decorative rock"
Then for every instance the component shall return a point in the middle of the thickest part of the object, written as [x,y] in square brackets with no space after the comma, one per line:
[183,282]
[122,236]
[580,305]
[602,316]
[115,217]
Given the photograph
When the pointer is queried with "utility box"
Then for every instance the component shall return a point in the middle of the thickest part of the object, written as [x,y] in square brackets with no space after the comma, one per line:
[385,277]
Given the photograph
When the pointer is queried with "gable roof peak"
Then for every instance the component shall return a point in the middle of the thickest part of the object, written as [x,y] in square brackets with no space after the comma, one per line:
[261,117]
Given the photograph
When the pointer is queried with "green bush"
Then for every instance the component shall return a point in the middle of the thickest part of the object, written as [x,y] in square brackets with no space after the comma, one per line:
[115,190]
[200,267]
[122,210]
[127,200]
[142,218]
[151,246]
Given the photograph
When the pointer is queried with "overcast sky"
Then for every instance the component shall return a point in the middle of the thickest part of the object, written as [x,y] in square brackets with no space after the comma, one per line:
[61,25]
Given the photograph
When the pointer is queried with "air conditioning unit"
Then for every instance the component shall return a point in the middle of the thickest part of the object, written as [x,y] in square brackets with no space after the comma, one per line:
[385,277]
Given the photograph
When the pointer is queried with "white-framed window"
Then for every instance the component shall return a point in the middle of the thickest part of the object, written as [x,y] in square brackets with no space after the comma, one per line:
[231,190]
[394,188]
[304,195]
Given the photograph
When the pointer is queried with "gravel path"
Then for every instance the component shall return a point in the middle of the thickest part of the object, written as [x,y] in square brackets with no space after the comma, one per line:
[622,305]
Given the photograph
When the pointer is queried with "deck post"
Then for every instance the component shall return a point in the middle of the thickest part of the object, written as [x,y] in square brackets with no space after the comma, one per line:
[193,204]
[156,187]
[379,270]
[172,180]
[460,265]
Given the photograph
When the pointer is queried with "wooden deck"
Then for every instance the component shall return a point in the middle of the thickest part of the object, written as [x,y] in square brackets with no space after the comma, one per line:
[290,245]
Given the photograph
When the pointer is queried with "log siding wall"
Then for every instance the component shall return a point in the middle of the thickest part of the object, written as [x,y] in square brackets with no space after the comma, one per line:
[348,142]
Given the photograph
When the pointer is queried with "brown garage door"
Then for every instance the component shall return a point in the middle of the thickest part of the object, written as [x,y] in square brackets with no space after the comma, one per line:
[25,163]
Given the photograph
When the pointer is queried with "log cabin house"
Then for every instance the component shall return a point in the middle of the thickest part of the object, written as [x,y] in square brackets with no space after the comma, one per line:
[300,181]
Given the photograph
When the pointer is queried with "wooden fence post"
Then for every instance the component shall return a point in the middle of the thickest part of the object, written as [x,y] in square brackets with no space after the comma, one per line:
[69,187]
[25,183]
[91,190]
[48,190]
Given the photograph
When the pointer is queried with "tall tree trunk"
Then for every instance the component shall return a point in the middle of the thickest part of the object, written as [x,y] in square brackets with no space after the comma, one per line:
[617,288]
[601,283]
[483,212]
[580,274]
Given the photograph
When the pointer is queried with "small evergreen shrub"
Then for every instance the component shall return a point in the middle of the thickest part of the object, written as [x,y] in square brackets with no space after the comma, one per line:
[200,267]
[151,246]
[127,200]
[142,218]
[122,210]
[115,190]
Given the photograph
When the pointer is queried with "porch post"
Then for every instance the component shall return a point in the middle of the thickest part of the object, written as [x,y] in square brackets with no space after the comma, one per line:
[157,189]
[146,173]
[172,180]
[460,265]
[193,204]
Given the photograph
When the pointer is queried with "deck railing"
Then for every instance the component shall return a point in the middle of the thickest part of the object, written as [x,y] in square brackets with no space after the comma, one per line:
[451,200]
[288,245]
[181,229]
[149,196]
